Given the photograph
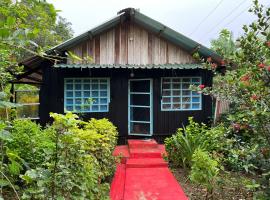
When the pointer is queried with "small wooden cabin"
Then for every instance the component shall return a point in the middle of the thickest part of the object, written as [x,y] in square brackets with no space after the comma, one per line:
[133,70]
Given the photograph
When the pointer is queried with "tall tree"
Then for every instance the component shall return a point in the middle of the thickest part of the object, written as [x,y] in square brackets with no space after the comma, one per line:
[224,45]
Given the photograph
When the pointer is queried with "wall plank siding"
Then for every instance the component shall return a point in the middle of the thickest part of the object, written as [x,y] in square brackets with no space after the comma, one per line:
[129,43]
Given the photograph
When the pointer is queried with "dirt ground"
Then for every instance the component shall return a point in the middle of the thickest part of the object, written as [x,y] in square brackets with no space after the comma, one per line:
[229,187]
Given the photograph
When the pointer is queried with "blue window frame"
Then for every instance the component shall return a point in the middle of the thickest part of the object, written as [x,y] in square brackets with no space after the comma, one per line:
[176,94]
[84,95]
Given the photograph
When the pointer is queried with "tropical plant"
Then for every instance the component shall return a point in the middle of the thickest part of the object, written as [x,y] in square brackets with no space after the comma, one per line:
[204,170]
[181,146]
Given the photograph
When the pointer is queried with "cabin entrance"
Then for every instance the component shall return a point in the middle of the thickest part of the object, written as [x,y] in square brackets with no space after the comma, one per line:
[140,107]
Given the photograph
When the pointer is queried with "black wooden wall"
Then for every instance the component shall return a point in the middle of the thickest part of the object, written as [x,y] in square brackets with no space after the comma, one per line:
[164,122]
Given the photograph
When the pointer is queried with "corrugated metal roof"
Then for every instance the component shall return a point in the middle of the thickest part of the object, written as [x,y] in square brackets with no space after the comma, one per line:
[129,66]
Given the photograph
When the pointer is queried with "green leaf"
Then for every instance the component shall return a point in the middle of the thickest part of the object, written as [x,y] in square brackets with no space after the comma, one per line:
[11,21]
[5,135]
[3,183]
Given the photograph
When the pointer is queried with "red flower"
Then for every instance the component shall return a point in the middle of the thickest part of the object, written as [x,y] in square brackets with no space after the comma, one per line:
[254,97]
[268,68]
[209,59]
[214,65]
[245,78]
[261,65]
[268,43]
[236,127]
[201,86]
[222,62]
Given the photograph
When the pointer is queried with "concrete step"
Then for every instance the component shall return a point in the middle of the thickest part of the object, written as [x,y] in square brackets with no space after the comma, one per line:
[146,163]
[142,143]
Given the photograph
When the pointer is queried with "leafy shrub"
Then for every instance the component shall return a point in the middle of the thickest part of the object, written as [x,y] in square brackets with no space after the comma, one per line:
[30,142]
[181,146]
[71,159]
[204,169]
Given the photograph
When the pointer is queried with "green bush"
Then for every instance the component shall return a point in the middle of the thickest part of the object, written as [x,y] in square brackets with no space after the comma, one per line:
[204,170]
[181,146]
[71,159]
[30,142]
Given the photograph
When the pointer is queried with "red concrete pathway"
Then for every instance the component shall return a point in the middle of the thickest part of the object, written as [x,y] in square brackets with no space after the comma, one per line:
[143,174]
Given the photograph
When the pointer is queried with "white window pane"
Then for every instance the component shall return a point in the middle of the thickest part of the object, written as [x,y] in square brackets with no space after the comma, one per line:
[86,108]
[195,106]
[196,99]
[185,86]
[176,92]
[69,81]
[103,108]
[69,86]
[103,86]
[69,101]
[86,94]
[78,94]
[176,99]
[78,101]
[103,100]
[103,93]
[95,108]
[69,108]
[176,86]
[185,99]
[86,86]
[95,101]
[166,106]
[95,94]
[95,87]
[78,86]
[186,92]
[69,94]
[176,106]
[78,108]
[186,106]
[166,99]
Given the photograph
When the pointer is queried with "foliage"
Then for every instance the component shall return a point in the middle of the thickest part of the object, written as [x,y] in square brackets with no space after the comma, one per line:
[224,45]
[181,146]
[27,27]
[204,169]
[70,159]
[246,86]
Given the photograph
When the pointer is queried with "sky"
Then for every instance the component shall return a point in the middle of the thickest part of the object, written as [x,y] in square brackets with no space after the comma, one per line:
[200,20]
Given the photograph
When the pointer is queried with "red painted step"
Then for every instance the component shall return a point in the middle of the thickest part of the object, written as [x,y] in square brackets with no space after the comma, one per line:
[142,144]
[123,152]
[145,153]
[118,183]
[144,174]
[146,163]
[152,183]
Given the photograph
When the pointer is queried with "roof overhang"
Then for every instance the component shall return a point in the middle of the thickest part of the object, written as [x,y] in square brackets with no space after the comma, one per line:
[109,66]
